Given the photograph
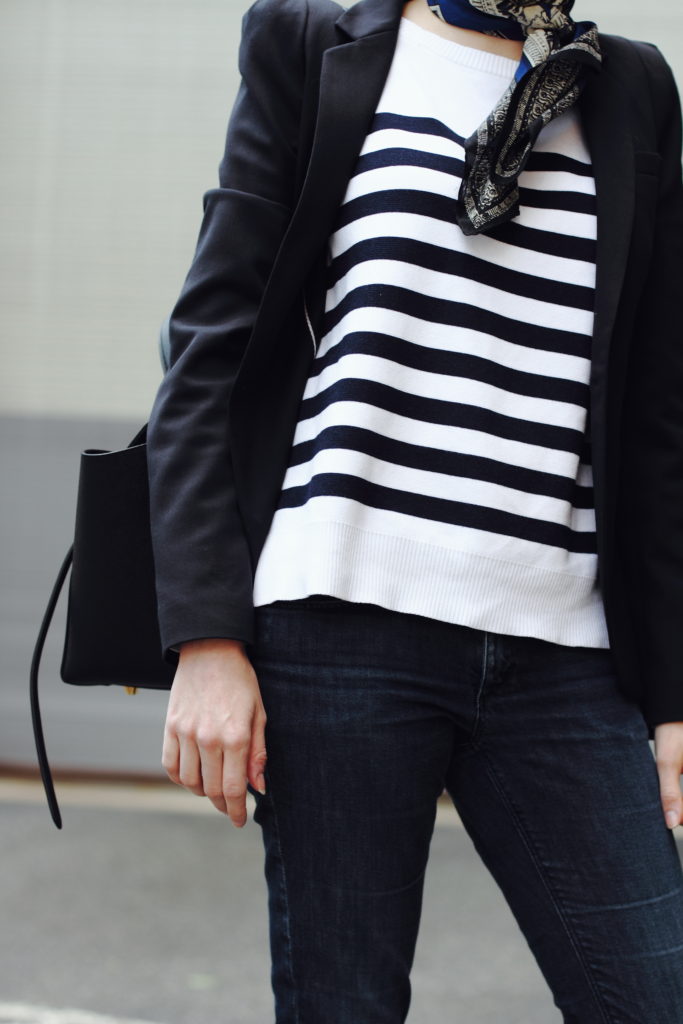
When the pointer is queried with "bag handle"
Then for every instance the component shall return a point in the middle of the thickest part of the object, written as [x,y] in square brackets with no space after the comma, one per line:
[38,735]
[45,773]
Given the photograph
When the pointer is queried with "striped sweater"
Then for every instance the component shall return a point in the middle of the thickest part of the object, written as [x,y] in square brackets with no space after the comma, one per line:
[441,459]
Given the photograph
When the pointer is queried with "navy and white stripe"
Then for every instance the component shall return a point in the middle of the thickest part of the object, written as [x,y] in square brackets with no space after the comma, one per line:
[441,460]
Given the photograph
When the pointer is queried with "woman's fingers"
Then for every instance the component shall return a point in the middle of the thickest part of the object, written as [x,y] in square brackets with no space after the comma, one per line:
[669,776]
[257,752]
[235,775]
[669,758]
[190,773]
[170,755]
[211,761]
[212,767]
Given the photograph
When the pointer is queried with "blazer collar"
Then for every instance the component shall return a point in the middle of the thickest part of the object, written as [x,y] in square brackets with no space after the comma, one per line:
[367,17]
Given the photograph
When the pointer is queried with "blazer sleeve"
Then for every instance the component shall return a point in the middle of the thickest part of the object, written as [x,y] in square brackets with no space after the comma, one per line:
[654,424]
[202,562]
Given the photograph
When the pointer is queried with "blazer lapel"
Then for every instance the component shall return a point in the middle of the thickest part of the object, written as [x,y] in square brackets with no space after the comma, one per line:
[351,81]
[352,77]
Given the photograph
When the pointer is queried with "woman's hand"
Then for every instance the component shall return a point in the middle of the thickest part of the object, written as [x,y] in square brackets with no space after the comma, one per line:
[214,739]
[669,758]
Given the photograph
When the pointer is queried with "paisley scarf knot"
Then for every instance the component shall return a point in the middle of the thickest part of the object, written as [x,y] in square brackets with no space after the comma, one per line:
[557,54]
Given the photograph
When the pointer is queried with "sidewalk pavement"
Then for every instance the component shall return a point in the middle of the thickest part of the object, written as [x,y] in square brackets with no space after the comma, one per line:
[149,907]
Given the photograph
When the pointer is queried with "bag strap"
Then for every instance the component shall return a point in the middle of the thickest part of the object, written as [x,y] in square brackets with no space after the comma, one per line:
[36,719]
[45,773]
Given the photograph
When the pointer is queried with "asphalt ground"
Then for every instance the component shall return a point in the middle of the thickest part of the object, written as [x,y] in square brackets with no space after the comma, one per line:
[149,907]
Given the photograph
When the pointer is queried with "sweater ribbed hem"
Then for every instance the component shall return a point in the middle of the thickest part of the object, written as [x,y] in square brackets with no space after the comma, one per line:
[406,575]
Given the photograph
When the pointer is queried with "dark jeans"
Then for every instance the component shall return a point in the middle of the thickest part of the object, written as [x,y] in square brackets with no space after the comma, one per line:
[370,714]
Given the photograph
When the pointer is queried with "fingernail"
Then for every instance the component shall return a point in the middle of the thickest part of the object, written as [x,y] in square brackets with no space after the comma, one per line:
[672,818]
[260,784]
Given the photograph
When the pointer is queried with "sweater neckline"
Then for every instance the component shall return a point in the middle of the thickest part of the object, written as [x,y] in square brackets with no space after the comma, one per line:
[468,56]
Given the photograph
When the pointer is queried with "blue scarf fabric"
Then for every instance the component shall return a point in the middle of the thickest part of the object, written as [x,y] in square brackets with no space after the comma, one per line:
[466,15]
[549,79]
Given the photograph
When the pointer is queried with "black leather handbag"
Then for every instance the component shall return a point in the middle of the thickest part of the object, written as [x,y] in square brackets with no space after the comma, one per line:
[112,632]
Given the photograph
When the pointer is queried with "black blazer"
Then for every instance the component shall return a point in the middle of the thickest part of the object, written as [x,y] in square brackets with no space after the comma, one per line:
[241,332]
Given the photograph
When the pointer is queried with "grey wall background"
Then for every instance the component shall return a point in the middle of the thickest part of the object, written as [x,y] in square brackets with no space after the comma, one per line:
[112,121]
[112,125]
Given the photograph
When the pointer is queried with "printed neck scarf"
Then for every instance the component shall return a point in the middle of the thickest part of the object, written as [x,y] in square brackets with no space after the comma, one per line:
[551,74]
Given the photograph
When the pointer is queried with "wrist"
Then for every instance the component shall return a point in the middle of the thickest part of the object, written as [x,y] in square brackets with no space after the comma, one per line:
[211,645]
